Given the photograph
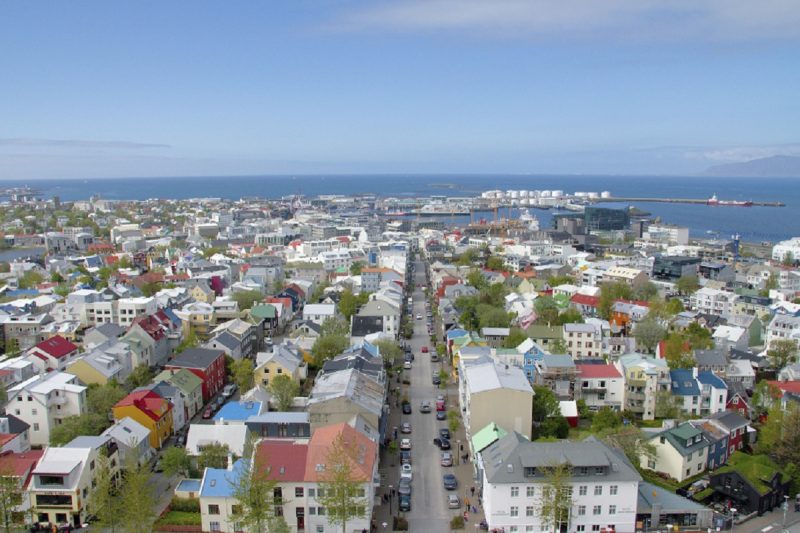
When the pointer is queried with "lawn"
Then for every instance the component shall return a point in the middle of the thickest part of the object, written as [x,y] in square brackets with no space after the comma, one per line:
[180,518]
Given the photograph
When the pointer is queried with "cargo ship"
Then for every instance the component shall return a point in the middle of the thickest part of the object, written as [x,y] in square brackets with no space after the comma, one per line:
[736,203]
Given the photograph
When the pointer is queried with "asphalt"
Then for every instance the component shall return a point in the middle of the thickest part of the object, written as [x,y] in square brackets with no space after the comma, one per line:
[429,510]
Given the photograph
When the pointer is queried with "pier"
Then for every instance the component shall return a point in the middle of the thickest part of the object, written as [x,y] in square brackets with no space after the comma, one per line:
[677,201]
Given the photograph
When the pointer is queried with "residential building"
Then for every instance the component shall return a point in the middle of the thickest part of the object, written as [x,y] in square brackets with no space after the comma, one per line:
[190,387]
[150,410]
[201,435]
[319,313]
[54,353]
[583,340]
[783,327]
[673,267]
[713,301]
[645,377]
[280,425]
[208,365]
[680,452]
[600,386]
[754,482]
[629,276]
[701,393]
[387,311]
[558,372]
[132,440]
[341,396]
[282,360]
[44,401]
[103,362]
[603,484]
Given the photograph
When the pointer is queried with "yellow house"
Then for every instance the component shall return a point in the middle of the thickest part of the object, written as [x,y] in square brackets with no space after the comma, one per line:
[150,410]
[201,292]
[281,361]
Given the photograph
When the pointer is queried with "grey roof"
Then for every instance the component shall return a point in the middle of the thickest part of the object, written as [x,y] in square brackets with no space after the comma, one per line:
[16,425]
[713,357]
[88,442]
[227,340]
[668,502]
[195,358]
[505,460]
[110,330]
[369,366]
[490,375]
[551,360]
[364,325]
[729,419]
[280,417]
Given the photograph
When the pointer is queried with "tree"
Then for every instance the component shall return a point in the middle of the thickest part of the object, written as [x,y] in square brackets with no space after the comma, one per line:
[699,337]
[30,279]
[141,375]
[648,333]
[104,500]
[631,441]
[355,268]
[254,490]
[555,281]
[69,428]
[11,496]
[137,498]
[605,419]
[553,427]
[327,347]
[781,353]
[667,405]
[190,340]
[12,347]
[644,291]
[100,399]
[469,257]
[678,351]
[150,288]
[546,310]
[335,326]
[545,403]
[555,499]
[492,317]
[247,299]
[284,389]
[687,284]
[349,303]
[779,437]
[340,491]
[477,279]
[558,347]
[609,293]
[570,316]
[56,277]
[453,422]
[213,456]
[496,263]
[242,374]
[515,337]
[176,461]
[444,377]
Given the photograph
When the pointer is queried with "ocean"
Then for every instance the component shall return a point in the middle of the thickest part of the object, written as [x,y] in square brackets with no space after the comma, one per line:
[752,223]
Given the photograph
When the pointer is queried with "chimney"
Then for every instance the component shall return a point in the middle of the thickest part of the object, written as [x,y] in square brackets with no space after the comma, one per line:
[230,461]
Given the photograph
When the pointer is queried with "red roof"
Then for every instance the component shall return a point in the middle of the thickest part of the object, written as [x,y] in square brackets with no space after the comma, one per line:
[286,459]
[585,299]
[56,346]
[786,386]
[20,464]
[598,371]
[364,451]
[147,402]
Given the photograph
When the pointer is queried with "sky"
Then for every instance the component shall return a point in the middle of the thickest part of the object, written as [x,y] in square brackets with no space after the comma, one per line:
[183,88]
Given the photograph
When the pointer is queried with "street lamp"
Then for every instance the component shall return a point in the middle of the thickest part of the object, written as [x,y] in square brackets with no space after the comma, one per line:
[458,447]
[733,518]
[785,508]
[391,491]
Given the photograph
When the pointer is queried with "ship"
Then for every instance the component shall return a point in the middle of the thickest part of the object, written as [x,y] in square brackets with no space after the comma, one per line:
[736,203]
[529,220]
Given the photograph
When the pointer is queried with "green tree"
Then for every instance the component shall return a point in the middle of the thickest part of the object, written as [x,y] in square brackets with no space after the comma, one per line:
[30,279]
[570,316]
[515,337]
[137,498]
[496,263]
[56,277]
[644,291]
[12,348]
[247,299]
[678,351]
[254,490]
[687,284]
[283,389]
[176,461]
[555,498]
[11,497]
[453,421]
[150,288]
[477,279]
[546,310]
[605,419]
[553,427]
[104,500]
[630,440]
[335,326]
[242,374]
[341,491]
[492,317]
[673,306]
[190,340]
[469,257]
[609,293]
[555,281]
[356,267]
[699,337]
[327,347]
[70,428]
[781,353]
[545,403]
[213,456]
[444,378]
[667,405]
[648,334]
[140,376]
[558,347]
[390,351]
[779,437]
[349,303]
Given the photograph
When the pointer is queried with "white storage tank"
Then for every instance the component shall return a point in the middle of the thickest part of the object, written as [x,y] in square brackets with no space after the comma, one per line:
[605,194]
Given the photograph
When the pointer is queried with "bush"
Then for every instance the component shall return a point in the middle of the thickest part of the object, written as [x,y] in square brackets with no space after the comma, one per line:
[180,518]
[185,505]
[457,522]
[399,524]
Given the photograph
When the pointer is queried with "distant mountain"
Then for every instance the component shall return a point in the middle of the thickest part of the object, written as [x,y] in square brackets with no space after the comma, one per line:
[777,166]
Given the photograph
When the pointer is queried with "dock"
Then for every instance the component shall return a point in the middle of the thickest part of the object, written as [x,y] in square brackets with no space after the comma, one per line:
[677,201]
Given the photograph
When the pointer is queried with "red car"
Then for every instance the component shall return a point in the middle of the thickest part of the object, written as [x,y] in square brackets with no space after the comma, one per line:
[208,413]
[424,349]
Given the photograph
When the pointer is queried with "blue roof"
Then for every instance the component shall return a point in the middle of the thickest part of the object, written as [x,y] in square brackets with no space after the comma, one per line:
[373,350]
[683,382]
[238,411]
[23,292]
[709,378]
[189,485]
[454,333]
[172,316]
[220,482]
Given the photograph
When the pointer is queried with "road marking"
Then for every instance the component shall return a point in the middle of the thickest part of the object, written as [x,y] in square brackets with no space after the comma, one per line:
[768,528]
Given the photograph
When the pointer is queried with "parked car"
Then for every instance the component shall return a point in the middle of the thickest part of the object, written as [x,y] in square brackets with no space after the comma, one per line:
[404,486]
[405,471]
[447,459]
[405,444]
[208,413]
[440,405]
[424,349]
[441,415]
[229,390]
[425,407]
[407,365]
[405,502]
[436,379]
[453,501]
[219,402]
[405,457]
[405,427]
[419,316]
[444,433]
[450,482]
[406,408]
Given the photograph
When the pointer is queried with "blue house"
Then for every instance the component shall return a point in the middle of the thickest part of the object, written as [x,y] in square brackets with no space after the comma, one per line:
[717,443]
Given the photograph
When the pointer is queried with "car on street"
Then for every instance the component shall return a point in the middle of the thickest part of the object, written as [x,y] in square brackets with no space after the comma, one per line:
[405,471]
[425,407]
[424,349]
[404,487]
[453,501]
[208,413]
[406,408]
[440,398]
[434,358]
[444,433]
[436,379]
[405,502]
[405,444]
[440,405]
[447,459]
[229,390]
[407,365]
[441,415]
[419,316]
[450,482]
[405,427]
[219,402]
[405,457]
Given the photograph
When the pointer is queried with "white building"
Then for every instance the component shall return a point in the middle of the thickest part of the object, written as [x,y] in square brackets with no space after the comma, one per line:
[713,301]
[129,309]
[583,340]
[667,234]
[790,248]
[783,327]
[319,313]
[513,474]
[44,401]
[600,386]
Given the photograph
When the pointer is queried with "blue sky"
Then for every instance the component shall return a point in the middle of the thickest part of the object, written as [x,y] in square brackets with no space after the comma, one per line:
[115,89]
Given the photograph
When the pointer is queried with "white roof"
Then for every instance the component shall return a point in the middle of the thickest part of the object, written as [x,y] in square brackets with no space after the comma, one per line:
[62,461]
[569,408]
[319,309]
[44,384]
[488,376]
[235,436]
[128,431]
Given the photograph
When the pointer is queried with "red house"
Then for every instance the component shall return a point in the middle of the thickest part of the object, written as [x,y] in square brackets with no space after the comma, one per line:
[738,402]
[208,365]
[53,354]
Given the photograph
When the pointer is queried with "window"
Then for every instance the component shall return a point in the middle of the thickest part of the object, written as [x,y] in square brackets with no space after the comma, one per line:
[582,490]
[612,509]
[599,471]
[213,509]
[529,510]
[298,492]
[514,492]
[214,526]
[596,527]
[529,528]
[321,511]
[688,472]
[530,492]
[596,510]
[583,471]
[581,510]
[34,412]
[36,426]
[514,511]
[612,490]
[580,528]
[651,464]
[689,457]
[598,490]
[513,529]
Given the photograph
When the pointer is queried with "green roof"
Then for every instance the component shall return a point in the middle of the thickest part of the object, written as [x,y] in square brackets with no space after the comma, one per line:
[758,470]
[685,431]
[183,379]
[545,332]
[487,436]
[263,311]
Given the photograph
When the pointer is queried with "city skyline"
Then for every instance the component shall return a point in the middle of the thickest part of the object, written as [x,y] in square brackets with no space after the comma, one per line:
[115,90]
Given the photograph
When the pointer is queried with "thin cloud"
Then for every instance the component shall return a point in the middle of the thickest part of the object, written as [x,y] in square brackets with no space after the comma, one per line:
[564,19]
[724,154]
[76,143]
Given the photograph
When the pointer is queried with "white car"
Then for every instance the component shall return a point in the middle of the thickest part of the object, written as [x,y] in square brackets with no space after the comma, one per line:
[419,317]
[407,365]
[405,444]
[229,390]
[405,471]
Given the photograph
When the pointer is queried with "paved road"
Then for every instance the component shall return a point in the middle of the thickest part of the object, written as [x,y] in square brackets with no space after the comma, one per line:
[429,510]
